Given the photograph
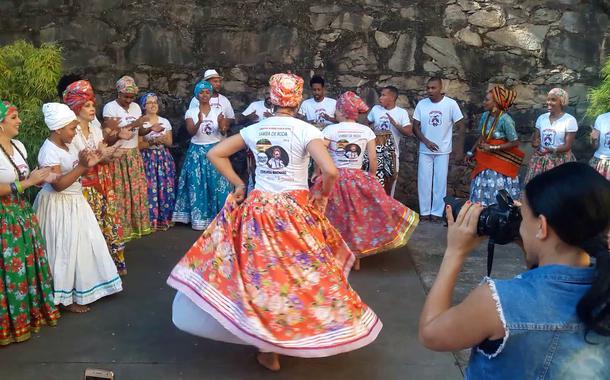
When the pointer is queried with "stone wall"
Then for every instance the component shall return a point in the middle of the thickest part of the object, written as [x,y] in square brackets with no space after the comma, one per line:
[529,45]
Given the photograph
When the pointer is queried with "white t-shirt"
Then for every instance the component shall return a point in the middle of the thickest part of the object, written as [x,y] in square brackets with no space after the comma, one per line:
[436,120]
[52,155]
[602,124]
[381,122]
[279,146]
[221,102]
[554,135]
[7,170]
[259,108]
[96,136]
[208,130]
[348,143]
[313,110]
[164,123]
[113,109]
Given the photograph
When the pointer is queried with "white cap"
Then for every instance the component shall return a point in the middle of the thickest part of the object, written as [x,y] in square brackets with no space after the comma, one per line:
[211,73]
[57,115]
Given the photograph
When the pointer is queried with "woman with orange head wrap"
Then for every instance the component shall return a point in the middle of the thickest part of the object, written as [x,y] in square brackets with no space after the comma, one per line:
[368,219]
[496,151]
[270,271]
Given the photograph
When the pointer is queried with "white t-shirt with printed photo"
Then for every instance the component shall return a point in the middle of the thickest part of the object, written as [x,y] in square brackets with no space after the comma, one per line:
[554,135]
[113,109]
[7,170]
[259,108]
[51,155]
[220,102]
[313,110]
[378,116]
[164,123]
[279,146]
[437,120]
[602,124]
[208,132]
[348,143]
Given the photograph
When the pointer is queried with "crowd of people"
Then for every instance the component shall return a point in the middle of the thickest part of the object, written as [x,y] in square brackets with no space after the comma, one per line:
[270,268]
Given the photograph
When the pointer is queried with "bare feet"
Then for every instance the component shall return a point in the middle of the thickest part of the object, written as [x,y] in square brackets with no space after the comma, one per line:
[269,360]
[356,266]
[75,308]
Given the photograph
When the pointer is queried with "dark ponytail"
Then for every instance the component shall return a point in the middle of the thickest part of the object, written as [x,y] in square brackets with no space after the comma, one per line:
[575,200]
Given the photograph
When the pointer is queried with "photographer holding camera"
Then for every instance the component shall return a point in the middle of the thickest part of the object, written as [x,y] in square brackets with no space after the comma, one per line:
[550,322]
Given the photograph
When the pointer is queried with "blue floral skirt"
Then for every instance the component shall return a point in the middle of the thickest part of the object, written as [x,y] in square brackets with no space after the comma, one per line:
[485,186]
[202,191]
[160,172]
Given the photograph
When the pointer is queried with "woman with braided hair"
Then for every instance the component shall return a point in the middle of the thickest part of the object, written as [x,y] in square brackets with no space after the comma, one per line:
[26,289]
[496,152]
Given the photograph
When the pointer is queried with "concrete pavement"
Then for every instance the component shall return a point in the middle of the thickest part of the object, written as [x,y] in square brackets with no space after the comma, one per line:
[132,334]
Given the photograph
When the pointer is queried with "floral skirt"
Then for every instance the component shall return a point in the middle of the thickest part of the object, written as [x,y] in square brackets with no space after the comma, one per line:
[105,211]
[602,165]
[387,170]
[485,186]
[130,188]
[202,191]
[26,286]
[273,272]
[540,164]
[160,172]
[368,219]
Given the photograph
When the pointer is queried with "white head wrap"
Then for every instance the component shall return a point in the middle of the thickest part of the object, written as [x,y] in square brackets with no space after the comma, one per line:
[57,115]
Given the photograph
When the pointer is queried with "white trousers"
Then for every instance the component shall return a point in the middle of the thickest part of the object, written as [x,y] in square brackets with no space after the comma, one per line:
[432,171]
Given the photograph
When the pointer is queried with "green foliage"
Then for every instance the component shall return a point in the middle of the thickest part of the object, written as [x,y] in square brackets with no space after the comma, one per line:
[28,76]
[599,97]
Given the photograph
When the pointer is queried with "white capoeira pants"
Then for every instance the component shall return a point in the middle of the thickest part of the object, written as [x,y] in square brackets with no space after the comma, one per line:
[190,318]
[432,171]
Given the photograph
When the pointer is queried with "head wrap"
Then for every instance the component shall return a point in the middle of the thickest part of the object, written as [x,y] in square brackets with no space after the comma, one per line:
[126,85]
[562,94]
[504,98]
[77,94]
[286,90]
[6,108]
[203,85]
[144,99]
[57,115]
[350,105]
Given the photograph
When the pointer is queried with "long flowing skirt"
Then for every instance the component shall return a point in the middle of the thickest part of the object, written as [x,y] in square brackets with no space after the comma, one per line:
[368,219]
[26,286]
[160,172]
[273,273]
[540,164]
[83,270]
[130,189]
[107,217]
[387,160]
[202,191]
[602,165]
[485,186]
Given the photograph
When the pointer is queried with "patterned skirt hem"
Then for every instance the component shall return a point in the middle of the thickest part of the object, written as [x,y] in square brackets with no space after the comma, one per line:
[68,297]
[185,218]
[322,345]
[402,235]
[24,333]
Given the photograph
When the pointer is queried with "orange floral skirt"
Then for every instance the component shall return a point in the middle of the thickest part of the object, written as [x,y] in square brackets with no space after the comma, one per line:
[273,272]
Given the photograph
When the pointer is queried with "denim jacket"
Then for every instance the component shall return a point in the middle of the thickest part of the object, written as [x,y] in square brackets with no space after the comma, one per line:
[544,338]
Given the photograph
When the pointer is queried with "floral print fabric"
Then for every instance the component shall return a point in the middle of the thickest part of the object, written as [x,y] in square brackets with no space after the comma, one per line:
[160,172]
[540,164]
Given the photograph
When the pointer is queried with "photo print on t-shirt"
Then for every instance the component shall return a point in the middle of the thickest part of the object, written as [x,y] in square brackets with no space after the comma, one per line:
[352,151]
[277,157]
[548,137]
[341,145]
[208,127]
[607,140]
[435,118]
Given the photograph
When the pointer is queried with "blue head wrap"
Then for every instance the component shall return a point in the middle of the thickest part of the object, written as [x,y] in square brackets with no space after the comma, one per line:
[203,85]
[144,98]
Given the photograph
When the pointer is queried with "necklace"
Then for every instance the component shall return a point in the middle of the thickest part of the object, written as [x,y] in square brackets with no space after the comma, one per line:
[493,125]
[17,171]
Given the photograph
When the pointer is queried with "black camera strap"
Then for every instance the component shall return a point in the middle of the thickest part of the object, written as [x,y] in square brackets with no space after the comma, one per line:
[491,245]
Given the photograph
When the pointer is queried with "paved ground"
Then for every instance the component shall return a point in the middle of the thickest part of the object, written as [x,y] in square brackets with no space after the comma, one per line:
[131,333]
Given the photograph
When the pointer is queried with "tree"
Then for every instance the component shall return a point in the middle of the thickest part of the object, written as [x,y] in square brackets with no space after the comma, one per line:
[599,97]
[28,76]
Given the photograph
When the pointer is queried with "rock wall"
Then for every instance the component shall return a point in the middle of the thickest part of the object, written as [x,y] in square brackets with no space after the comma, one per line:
[358,45]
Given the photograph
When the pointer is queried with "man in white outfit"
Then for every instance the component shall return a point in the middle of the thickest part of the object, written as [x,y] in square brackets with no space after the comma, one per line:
[218,100]
[433,122]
